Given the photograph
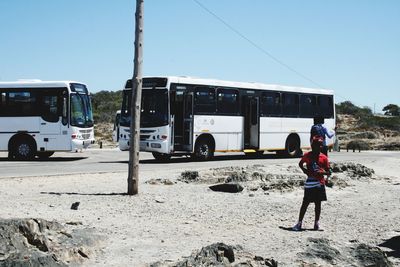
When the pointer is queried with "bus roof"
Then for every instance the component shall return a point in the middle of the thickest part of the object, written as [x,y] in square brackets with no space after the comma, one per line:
[36,84]
[246,85]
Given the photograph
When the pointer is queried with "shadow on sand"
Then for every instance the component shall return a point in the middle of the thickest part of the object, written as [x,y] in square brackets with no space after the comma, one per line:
[394,244]
[303,229]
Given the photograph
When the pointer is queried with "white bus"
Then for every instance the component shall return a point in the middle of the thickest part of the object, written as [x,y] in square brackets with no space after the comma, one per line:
[38,118]
[191,116]
[116,128]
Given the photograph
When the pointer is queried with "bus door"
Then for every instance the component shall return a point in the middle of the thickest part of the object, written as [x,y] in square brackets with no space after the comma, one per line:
[188,121]
[54,134]
[251,122]
[182,119]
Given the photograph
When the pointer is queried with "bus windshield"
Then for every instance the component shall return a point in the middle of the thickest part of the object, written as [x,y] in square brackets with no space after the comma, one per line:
[81,110]
[154,108]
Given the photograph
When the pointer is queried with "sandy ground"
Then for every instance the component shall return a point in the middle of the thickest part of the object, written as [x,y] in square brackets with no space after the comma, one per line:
[166,222]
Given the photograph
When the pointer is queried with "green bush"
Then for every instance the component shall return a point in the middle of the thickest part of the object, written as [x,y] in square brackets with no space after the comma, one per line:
[358,145]
[105,104]
[348,107]
[391,123]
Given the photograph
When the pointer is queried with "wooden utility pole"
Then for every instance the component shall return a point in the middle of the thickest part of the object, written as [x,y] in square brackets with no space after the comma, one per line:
[133,171]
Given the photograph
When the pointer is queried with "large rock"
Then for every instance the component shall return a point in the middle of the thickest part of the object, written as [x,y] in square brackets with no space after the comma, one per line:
[323,252]
[221,255]
[227,188]
[37,242]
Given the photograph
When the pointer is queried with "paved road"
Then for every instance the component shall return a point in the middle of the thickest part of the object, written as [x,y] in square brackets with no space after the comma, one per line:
[113,160]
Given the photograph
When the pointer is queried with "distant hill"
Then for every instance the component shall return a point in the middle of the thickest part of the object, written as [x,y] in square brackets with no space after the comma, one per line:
[360,128]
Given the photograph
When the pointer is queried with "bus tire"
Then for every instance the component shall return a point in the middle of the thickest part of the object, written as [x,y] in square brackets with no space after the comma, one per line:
[292,148]
[161,156]
[23,149]
[204,150]
[44,154]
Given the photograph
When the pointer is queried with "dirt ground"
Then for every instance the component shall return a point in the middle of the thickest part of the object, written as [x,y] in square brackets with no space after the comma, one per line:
[171,217]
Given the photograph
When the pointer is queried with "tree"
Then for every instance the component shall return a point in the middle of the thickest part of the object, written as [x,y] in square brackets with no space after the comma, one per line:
[347,107]
[392,110]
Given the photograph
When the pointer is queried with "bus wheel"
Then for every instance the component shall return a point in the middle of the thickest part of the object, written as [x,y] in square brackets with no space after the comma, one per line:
[23,149]
[45,155]
[161,156]
[293,147]
[203,150]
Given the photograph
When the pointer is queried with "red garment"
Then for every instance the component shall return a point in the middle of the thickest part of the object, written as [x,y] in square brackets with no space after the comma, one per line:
[315,167]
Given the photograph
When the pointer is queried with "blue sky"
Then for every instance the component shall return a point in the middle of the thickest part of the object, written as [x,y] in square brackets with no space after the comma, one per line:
[352,47]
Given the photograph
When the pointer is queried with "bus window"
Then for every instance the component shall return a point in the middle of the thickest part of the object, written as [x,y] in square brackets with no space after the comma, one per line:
[50,106]
[204,100]
[308,106]
[325,106]
[227,102]
[271,104]
[290,104]
[2,102]
[21,103]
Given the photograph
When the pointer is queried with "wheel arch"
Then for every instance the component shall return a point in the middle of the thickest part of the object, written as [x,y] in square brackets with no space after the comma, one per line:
[206,137]
[296,136]
[293,138]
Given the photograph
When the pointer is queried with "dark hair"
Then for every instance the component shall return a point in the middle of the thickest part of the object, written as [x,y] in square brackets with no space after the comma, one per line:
[319,120]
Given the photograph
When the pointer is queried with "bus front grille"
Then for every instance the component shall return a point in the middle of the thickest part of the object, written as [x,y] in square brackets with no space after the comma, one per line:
[85,133]
[144,137]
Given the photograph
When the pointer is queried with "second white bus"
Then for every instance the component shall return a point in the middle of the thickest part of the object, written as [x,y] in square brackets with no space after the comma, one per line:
[192,116]
[38,118]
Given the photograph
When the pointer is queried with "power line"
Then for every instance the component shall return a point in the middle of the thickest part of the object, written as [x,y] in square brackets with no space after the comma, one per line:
[260,48]
[256,45]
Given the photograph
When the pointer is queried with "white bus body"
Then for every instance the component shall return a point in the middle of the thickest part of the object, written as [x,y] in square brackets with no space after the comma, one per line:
[38,118]
[182,115]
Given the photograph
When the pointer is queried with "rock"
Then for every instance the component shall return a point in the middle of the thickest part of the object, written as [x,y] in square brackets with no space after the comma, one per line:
[237,177]
[75,206]
[371,256]
[160,200]
[37,242]
[227,188]
[189,176]
[74,223]
[159,181]
[355,170]
[321,248]
[219,254]
[322,252]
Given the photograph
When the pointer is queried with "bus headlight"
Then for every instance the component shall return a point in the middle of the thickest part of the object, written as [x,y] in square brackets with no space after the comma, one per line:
[164,137]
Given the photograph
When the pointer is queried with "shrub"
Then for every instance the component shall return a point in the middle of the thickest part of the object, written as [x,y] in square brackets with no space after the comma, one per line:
[358,145]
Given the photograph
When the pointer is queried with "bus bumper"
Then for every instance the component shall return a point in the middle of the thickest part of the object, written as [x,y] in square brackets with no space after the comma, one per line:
[154,146]
[146,146]
[123,144]
[81,144]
